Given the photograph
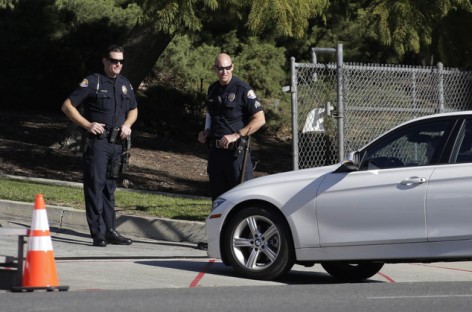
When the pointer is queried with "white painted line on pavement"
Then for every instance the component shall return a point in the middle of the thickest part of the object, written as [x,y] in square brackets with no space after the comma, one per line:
[416,297]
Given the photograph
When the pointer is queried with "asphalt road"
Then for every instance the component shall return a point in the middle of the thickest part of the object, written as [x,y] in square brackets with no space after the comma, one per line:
[366,297]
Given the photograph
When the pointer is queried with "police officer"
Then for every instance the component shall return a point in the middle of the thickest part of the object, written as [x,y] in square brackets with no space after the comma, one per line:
[110,109]
[233,111]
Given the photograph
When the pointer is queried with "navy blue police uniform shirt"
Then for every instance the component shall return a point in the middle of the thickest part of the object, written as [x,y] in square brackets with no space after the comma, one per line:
[105,100]
[237,102]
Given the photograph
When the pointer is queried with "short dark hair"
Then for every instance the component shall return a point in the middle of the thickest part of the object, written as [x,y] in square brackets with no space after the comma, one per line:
[113,48]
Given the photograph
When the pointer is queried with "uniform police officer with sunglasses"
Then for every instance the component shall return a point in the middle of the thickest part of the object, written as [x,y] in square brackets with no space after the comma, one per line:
[234,111]
[109,111]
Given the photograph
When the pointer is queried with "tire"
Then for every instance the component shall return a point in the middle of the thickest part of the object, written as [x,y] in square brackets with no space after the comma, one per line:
[258,244]
[352,272]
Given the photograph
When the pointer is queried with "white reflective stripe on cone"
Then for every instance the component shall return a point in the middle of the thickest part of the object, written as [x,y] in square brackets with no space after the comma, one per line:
[40,220]
[40,243]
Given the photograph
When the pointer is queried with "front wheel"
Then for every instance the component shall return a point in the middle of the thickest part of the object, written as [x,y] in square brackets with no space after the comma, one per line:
[258,244]
[352,272]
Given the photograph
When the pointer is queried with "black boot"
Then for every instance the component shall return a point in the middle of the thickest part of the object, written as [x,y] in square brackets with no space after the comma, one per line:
[113,237]
[99,240]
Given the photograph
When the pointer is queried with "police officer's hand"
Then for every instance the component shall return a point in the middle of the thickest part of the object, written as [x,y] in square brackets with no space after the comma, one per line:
[96,128]
[229,138]
[125,132]
[202,136]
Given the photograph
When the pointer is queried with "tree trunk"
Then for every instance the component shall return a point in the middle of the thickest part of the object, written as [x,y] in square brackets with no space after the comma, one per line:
[142,50]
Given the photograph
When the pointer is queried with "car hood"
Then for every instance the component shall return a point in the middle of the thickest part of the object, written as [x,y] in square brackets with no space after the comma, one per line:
[279,188]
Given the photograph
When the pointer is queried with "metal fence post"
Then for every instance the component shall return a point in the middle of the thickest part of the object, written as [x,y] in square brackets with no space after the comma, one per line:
[441,87]
[293,91]
[413,90]
[340,114]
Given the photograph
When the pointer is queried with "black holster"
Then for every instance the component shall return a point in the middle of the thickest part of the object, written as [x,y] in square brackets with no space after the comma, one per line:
[113,170]
[124,162]
[118,166]
[239,146]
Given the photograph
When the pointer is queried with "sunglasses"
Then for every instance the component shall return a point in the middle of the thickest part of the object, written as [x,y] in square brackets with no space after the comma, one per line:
[115,61]
[221,68]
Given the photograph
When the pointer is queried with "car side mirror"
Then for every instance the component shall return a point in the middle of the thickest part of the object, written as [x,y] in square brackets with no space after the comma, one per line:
[350,164]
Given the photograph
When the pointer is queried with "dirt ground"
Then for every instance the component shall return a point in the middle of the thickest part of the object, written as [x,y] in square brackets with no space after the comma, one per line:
[29,147]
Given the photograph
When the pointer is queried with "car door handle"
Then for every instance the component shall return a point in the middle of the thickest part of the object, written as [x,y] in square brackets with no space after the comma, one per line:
[413,180]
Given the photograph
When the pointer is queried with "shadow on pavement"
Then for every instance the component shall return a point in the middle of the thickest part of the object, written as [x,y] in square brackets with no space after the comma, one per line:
[293,277]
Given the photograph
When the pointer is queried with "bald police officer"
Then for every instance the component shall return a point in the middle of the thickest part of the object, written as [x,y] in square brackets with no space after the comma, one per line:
[110,109]
[233,111]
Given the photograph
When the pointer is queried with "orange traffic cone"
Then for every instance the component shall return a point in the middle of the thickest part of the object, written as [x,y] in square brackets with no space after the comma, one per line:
[40,267]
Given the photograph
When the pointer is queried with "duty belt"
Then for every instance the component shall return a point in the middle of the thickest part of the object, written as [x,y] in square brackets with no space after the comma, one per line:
[216,144]
[106,135]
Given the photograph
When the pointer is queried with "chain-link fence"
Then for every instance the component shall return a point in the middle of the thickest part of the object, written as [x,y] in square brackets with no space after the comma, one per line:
[367,100]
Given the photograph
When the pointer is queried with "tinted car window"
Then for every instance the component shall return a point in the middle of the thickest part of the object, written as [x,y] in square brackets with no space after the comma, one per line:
[416,145]
[465,144]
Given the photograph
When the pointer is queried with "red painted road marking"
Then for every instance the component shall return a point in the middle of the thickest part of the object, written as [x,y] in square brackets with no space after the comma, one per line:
[388,278]
[200,275]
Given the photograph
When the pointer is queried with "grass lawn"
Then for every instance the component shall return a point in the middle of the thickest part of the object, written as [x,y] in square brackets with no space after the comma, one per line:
[126,200]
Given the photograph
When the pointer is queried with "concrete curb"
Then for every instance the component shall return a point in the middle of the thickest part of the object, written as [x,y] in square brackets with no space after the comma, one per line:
[63,218]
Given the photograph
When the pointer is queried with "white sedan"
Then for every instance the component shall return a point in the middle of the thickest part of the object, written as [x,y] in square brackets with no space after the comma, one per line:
[404,197]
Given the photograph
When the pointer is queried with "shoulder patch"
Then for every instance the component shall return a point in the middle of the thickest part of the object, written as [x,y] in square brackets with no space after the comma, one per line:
[84,83]
[257,104]
[251,94]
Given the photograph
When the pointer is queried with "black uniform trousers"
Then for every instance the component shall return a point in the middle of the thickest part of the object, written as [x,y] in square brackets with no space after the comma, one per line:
[99,191]
[224,170]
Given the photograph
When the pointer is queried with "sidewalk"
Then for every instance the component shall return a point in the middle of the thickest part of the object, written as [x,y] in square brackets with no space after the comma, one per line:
[145,264]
